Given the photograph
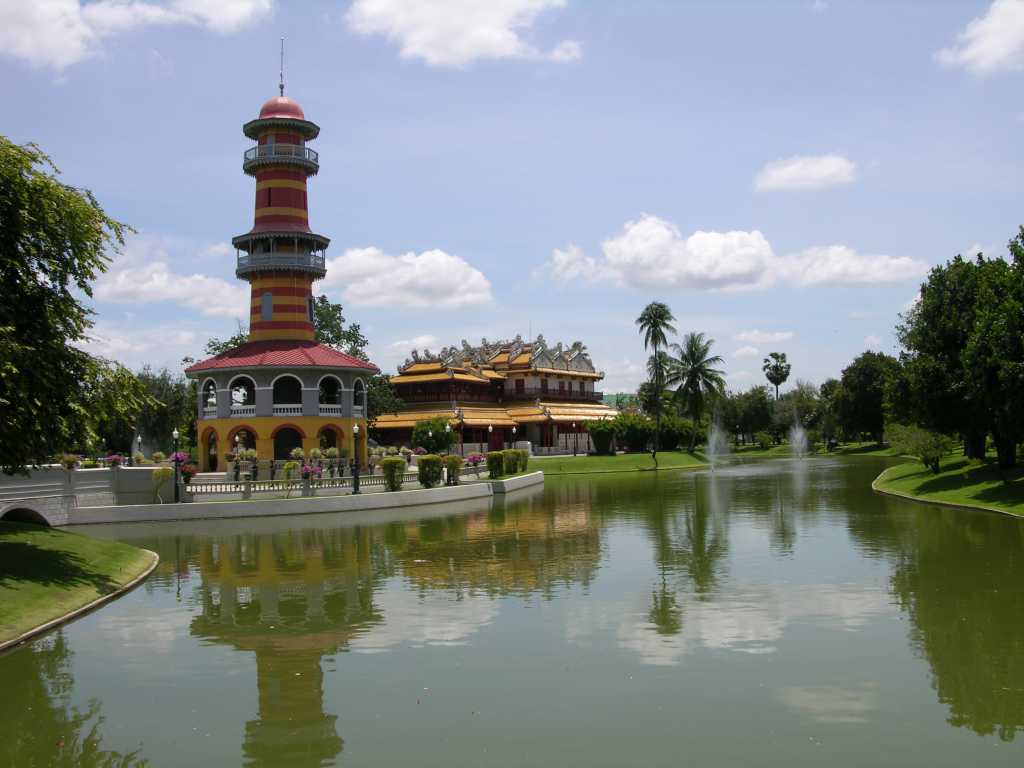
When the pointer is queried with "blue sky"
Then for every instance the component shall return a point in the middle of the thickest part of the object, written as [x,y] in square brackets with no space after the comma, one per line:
[781,174]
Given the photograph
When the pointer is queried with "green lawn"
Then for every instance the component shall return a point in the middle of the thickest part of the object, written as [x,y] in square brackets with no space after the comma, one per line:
[46,573]
[783,451]
[627,462]
[965,482]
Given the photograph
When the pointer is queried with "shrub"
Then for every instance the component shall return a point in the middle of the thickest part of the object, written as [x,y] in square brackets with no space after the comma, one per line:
[159,456]
[432,435]
[115,460]
[331,453]
[928,447]
[298,454]
[393,470]
[89,464]
[453,464]
[475,459]
[524,459]
[429,470]
[674,432]
[392,451]
[290,467]
[69,461]
[160,477]
[763,440]
[419,451]
[511,462]
[602,433]
[188,471]
[315,454]
[635,430]
[138,458]
[496,463]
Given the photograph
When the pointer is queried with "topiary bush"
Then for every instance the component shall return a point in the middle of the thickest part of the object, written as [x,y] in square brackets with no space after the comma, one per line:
[394,472]
[453,464]
[496,463]
[429,468]
[511,462]
[524,459]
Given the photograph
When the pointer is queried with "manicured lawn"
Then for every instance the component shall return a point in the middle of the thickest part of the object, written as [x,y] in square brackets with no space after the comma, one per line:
[45,573]
[961,482]
[783,451]
[627,462]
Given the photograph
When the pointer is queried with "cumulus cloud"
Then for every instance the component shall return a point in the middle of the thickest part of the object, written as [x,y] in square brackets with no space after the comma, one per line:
[371,278]
[142,275]
[58,33]
[416,342]
[652,253]
[747,351]
[764,337]
[993,42]
[805,172]
[134,346]
[453,33]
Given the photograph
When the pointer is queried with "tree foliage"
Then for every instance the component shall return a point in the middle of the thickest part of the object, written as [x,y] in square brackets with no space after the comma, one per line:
[692,369]
[861,404]
[654,322]
[432,435]
[776,369]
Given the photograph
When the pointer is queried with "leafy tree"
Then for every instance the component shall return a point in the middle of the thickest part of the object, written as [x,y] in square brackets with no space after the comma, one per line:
[692,371]
[432,435]
[381,398]
[828,422]
[776,369]
[655,320]
[928,447]
[113,398]
[53,243]
[861,406]
[217,346]
[173,406]
[330,329]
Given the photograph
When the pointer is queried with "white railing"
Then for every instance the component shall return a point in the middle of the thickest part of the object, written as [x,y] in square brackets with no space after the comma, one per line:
[210,413]
[288,410]
[275,151]
[243,410]
[357,411]
[282,259]
[330,410]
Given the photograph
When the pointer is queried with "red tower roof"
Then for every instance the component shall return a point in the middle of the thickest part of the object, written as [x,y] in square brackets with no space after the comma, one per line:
[282,107]
[281,354]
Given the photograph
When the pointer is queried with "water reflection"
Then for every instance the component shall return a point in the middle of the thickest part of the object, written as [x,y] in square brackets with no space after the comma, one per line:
[731,569]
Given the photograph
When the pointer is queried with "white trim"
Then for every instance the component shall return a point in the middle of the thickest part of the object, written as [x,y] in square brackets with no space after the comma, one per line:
[286,373]
[241,376]
[333,376]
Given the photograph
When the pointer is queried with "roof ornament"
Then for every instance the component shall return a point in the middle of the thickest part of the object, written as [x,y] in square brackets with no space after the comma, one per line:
[280,85]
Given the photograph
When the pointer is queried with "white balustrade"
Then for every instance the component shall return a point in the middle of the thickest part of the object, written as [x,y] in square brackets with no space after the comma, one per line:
[292,409]
[330,410]
[243,410]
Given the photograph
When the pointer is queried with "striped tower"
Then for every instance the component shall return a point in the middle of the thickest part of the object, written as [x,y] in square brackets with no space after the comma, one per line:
[280,256]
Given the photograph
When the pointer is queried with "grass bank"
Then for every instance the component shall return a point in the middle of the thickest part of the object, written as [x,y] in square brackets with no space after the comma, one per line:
[783,451]
[965,483]
[626,462]
[46,574]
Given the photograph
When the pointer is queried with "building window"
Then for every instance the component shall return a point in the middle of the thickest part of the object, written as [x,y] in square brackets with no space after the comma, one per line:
[309,307]
[544,385]
[520,386]
[267,306]
[561,386]
[268,198]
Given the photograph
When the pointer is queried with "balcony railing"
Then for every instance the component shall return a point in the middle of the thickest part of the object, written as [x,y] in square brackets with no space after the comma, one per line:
[291,409]
[330,410]
[276,152]
[243,410]
[307,262]
[357,411]
[210,413]
[532,393]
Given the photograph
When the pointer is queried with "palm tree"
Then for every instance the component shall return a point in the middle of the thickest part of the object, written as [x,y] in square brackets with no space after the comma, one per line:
[776,369]
[692,370]
[654,321]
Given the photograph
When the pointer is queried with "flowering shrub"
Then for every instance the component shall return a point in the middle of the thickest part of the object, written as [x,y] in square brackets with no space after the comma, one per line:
[420,451]
[158,456]
[179,457]
[316,454]
[298,454]
[311,471]
[115,460]
[331,453]
[188,471]
[138,457]
[474,459]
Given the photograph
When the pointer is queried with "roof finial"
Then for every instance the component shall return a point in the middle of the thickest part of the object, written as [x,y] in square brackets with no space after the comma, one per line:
[281,84]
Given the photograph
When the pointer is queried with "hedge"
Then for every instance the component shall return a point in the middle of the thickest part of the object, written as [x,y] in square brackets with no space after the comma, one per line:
[429,466]
[394,471]
[511,461]
[453,464]
[602,433]
[524,459]
[496,463]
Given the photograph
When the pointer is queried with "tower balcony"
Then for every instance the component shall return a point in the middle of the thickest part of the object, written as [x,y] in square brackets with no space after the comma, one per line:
[314,263]
[273,154]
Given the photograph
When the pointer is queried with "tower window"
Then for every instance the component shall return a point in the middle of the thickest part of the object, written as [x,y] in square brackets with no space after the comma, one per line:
[309,306]
[268,197]
[267,306]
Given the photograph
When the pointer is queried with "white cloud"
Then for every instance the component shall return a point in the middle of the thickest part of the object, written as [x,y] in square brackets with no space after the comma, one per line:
[747,352]
[652,253]
[371,278]
[135,347]
[990,43]
[452,33]
[141,275]
[805,172]
[59,33]
[764,337]
[872,342]
[426,341]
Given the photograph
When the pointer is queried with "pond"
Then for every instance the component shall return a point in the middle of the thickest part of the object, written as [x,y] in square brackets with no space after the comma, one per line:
[769,613]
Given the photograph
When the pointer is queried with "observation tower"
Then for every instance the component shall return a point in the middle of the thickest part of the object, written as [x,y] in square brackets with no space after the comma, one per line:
[281,389]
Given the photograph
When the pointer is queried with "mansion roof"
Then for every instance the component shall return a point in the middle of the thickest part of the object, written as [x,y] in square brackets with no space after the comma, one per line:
[281,354]
[483,415]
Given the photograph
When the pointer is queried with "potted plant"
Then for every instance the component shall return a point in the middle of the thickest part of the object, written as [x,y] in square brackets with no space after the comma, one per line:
[297,454]
[158,457]
[188,471]
[332,460]
[115,460]
[138,458]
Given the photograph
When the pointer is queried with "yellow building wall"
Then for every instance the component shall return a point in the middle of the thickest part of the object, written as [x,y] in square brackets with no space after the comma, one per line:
[263,427]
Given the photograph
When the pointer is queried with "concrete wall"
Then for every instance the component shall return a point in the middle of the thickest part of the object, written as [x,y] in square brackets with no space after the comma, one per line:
[517,483]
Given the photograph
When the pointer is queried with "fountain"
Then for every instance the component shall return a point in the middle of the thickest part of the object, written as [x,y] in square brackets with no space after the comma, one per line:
[798,440]
[717,446]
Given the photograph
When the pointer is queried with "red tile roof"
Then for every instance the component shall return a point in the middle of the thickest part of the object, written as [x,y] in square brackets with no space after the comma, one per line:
[281,354]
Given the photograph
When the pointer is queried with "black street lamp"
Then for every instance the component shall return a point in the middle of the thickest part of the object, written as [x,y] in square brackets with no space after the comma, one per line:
[355,459]
[490,430]
[177,467]
[447,438]
[575,439]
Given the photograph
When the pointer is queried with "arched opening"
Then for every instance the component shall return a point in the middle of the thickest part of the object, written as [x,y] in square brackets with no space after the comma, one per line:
[25,515]
[330,437]
[243,393]
[246,438]
[330,391]
[287,391]
[210,396]
[359,394]
[286,439]
[209,447]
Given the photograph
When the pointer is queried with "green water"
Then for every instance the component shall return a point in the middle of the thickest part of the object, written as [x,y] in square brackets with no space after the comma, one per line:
[774,614]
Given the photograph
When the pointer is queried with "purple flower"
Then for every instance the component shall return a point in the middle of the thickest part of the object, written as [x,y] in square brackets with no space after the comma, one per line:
[179,457]
[115,459]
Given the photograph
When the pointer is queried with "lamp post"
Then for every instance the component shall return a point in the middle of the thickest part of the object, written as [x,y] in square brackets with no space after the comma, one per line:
[355,459]
[238,459]
[575,440]
[490,429]
[513,436]
[177,467]
[447,437]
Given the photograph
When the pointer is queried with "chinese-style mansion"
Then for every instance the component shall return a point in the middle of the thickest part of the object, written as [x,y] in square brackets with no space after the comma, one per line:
[280,390]
[499,393]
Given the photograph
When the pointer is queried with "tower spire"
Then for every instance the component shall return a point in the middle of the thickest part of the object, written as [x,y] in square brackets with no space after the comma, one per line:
[281,83]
